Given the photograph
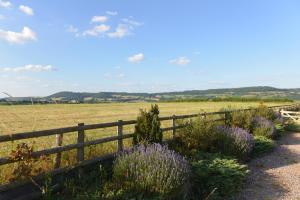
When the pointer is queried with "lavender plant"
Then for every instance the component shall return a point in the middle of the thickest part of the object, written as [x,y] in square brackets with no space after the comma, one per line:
[264,127]
[234,141]
[151,169]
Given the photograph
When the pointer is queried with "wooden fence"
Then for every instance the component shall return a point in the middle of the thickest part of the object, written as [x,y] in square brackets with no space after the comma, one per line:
[25,190]
[81,128]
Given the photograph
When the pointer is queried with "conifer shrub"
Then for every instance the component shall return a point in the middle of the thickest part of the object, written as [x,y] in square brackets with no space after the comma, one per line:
[147,128]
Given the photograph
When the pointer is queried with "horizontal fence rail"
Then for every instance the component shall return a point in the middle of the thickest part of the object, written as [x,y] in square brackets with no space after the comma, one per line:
[81,128]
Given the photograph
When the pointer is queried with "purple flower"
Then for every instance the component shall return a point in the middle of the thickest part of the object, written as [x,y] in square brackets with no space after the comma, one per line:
[152,168]
[264,127]
[235,141]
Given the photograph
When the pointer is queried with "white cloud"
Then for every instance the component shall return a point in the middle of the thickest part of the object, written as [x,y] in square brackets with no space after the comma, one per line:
[136,58]
[29,68]
[97,30]
[180,61]
[99,19]
[113,13]
[121,31]
[18,37]
[2,17]
[27,10]
[197,52]
[125,28]
[72,29]
[131,22]
[5,4]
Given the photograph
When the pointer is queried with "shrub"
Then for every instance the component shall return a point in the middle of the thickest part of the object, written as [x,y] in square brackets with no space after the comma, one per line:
[151,170]
[265,112]
[234,141]
[197,134]
[279,119]
[147,128]
[262,145]
[264,127]
[216,177]
[243,119]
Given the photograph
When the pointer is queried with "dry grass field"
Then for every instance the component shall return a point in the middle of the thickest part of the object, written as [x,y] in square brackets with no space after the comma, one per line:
[25,118]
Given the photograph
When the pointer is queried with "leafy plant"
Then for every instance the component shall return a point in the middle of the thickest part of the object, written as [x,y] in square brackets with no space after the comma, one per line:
[151,170]
[147,128]
[262,145]
[217,177]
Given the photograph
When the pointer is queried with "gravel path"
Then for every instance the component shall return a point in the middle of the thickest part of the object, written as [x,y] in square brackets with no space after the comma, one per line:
[275,175]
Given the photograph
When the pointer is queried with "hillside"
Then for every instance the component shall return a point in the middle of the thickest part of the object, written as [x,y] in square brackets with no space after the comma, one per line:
[260,92]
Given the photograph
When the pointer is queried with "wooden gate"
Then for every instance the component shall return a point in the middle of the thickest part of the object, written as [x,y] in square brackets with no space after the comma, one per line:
[295,116]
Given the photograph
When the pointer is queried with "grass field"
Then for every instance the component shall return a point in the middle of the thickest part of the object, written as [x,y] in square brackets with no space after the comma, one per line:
[24,118]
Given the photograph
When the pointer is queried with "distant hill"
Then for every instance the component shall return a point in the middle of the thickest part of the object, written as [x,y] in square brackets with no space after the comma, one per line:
[259,92]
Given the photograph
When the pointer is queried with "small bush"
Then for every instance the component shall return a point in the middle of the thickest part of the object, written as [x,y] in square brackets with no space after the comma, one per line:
[217,178]
[234,141]
[197,134]
[265,112]
[147,128]
[243,119]
[262,145]
[264,127]
[151,170]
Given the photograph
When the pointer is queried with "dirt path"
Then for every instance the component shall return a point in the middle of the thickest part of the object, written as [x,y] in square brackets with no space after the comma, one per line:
[276,175]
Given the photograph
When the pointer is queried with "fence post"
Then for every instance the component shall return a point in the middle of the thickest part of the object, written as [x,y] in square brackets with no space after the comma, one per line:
[57,159]
[227,118]
[174,126]
[80,140]
[120,135]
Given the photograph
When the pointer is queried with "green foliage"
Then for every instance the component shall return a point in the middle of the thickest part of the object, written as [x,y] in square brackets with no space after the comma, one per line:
[147,128]
[216,177]
[262,145]
[198,134]
[292,127]
[243,119]
[263,111]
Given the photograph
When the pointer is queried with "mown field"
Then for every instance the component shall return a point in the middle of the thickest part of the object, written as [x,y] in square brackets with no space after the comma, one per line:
[24,118]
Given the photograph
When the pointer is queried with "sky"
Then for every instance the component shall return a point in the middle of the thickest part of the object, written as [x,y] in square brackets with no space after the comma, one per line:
[147,46]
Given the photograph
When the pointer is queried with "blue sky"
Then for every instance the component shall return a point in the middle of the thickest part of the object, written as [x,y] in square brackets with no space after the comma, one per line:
[147,46]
